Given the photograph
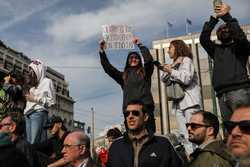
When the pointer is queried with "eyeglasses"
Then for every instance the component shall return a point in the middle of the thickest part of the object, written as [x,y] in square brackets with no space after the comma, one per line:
[134,113]
[6,124]
[244,126]
[195,126]
[67,146]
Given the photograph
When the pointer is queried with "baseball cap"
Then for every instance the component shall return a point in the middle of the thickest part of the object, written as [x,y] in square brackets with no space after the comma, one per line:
[51,121]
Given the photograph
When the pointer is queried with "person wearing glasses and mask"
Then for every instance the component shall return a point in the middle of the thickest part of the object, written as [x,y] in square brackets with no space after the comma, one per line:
[203,129]
[238,129]
[13,123]
[140,147]
[135,80]
[76,150]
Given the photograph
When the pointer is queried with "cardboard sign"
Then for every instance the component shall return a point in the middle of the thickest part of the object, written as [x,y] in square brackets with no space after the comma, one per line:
[118,36]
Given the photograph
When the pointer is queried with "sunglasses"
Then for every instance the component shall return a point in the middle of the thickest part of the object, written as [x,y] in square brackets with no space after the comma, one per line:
[244,126]
[50,127]
[133,57]
[134,113]
[194,126]
[6,124]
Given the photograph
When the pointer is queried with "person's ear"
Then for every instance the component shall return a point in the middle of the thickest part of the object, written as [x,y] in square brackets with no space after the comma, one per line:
[210,131]
[60,124]
[12,127]
[83,149]
[145,117]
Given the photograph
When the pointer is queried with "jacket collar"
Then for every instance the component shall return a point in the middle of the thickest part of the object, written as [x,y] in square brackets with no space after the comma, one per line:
[150,136]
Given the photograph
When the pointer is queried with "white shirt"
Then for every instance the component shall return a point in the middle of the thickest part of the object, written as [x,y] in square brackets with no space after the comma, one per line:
[84,163]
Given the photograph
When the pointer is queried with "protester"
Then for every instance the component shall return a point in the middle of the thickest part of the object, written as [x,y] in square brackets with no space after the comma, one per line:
[10,156]
[113,134]
[139,147]
[40,97]
[102,157]
[13,123]
[135,80]
[13,84]
[230,79]
[76,150]
[238,129]
[3,99]
[182,71]
[53,146]
[203,129]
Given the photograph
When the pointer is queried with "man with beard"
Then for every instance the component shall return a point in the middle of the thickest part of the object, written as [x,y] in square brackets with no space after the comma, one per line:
[238,129]
[139,147]
[230,78]
[203,129]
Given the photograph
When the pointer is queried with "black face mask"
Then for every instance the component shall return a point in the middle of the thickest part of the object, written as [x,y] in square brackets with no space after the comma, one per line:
[225,37]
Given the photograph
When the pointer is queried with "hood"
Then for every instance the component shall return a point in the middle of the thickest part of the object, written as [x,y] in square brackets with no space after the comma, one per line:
[131,53]
[39,69]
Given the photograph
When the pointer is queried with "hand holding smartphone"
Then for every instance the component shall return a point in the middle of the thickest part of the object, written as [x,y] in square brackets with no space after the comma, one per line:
[158,64]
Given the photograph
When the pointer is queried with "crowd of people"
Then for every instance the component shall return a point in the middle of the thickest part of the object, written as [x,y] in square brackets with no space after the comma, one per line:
[25,101]
[198,129]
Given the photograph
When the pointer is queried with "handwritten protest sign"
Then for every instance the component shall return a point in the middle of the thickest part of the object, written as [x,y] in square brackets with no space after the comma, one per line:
[118,36]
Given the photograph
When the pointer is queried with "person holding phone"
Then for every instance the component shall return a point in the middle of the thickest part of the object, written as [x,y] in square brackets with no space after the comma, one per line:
[230,79]
[182,71]
[135,80]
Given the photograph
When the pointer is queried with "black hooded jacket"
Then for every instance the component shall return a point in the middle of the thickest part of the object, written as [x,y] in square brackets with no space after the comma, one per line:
[156,152]
[135,87]
[230,60]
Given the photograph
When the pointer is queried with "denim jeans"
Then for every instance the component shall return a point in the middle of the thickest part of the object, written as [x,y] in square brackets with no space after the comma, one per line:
[34,126]
[183,117]
[229,100]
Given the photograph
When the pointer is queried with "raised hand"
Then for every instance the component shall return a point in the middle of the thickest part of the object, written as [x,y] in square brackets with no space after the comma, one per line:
[136,40]
[102,44]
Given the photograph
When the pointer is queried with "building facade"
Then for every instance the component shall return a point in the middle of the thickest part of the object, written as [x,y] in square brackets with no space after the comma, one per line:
[165,119]
[11,59]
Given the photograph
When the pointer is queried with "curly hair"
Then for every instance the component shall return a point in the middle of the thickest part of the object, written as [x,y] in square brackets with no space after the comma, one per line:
[181,49]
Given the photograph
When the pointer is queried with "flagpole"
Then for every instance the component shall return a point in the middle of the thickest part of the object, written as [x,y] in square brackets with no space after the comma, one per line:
[167,30]
[186,27]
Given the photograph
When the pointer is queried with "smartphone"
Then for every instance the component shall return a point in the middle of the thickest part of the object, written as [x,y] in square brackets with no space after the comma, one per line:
[158,64]
[217,2]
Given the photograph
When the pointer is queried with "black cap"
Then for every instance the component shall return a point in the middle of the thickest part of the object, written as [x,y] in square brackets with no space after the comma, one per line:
[51,121]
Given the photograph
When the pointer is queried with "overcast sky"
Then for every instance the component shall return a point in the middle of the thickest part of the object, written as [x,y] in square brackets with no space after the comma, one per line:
[65,33]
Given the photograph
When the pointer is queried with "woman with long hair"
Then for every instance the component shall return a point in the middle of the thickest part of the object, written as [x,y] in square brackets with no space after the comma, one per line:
[135,80]
[182,70]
